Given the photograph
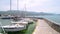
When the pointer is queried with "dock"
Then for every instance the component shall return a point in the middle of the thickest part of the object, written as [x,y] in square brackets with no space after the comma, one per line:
[43,28]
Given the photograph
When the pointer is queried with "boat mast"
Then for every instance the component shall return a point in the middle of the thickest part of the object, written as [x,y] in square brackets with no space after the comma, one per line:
[23,14]
[25,8]
[10,4]
[17,5]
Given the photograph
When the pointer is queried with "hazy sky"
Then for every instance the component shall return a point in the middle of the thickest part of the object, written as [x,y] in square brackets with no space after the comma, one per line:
[52,6]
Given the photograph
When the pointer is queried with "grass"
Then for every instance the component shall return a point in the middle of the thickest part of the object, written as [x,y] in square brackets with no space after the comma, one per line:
[29,30]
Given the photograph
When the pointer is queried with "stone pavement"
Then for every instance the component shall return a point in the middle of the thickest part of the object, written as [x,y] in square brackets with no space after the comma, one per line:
[43,28]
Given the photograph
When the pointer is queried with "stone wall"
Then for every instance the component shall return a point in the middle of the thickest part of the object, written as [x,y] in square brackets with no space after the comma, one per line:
[50,23]
[53,25]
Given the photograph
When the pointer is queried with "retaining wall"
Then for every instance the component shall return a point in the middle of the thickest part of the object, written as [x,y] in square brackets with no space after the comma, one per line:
[54,25]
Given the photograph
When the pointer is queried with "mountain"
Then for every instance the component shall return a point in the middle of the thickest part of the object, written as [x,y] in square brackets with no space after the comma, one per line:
[27,13]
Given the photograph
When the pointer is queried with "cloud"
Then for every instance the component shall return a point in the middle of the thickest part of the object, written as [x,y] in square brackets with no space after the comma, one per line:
[52,6]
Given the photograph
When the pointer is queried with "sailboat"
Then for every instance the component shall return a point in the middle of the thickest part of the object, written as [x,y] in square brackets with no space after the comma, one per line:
[15,25]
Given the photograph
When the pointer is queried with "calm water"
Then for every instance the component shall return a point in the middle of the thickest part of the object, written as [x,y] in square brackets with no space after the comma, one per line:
[5,21]
[55,18]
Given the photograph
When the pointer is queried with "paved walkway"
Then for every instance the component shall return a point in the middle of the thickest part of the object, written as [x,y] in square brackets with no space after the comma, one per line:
[43,28]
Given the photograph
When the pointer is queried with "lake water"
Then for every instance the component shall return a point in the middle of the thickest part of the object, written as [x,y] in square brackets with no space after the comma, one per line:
[55,18]
[5,21]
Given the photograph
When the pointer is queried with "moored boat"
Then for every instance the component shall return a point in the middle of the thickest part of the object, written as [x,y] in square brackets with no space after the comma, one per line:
[15,26]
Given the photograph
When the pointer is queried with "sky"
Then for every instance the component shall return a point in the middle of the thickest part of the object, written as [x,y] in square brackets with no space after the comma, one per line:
[49,6]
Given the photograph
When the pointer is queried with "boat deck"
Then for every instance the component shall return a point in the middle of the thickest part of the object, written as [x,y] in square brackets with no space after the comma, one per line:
[43,28]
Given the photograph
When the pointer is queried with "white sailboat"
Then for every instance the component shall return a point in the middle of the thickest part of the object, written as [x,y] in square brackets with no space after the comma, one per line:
[15,25]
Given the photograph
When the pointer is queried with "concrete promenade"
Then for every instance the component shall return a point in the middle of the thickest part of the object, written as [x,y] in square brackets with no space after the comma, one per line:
[43,28]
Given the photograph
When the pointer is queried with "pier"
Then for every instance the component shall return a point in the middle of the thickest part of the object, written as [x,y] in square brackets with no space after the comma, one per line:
[43,28]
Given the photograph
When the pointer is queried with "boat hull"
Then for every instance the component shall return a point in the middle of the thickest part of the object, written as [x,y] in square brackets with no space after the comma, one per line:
[14,29]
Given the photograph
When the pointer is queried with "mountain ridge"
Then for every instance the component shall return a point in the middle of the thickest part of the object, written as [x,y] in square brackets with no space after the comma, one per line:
[12,12]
